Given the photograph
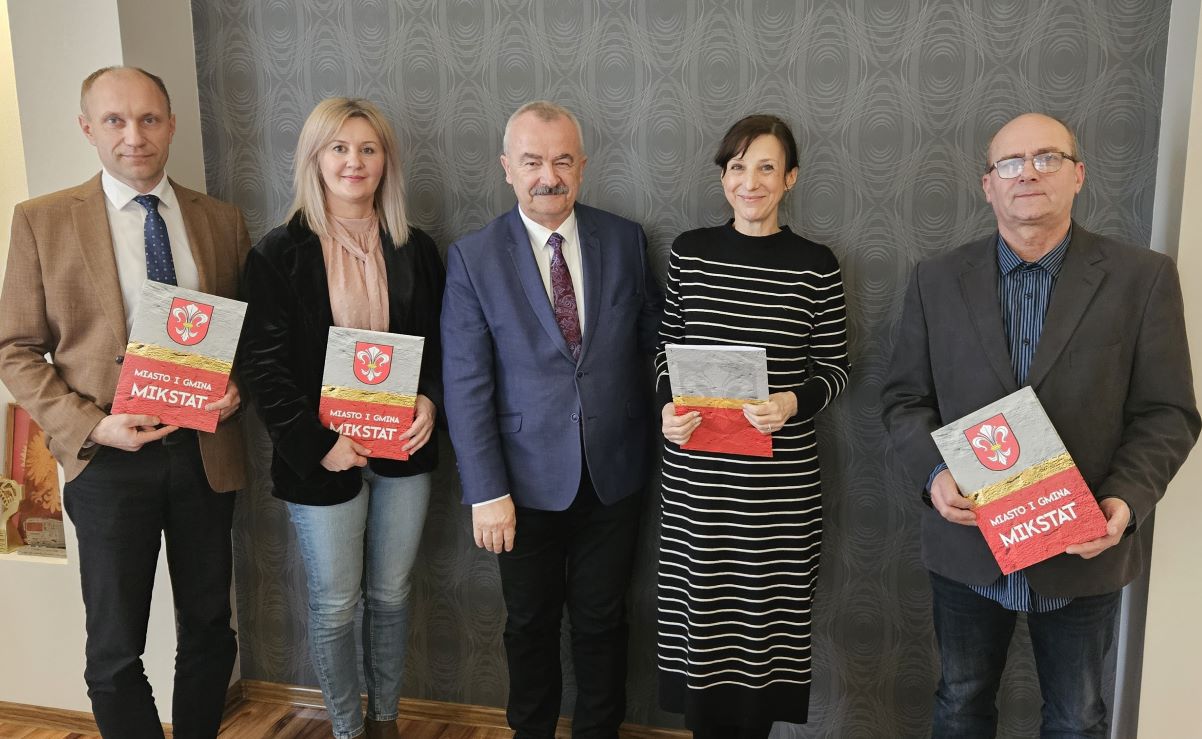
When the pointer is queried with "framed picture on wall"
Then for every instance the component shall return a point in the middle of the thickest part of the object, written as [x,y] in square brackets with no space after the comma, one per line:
[38,521]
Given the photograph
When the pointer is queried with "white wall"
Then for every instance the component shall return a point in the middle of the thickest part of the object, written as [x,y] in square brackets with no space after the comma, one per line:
[1171,689]
[54,45]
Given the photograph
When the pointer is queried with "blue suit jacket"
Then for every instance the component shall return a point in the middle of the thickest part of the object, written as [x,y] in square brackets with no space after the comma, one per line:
[517,403]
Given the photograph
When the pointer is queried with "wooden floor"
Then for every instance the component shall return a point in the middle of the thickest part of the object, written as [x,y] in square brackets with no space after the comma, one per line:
[267,710]
[252,720]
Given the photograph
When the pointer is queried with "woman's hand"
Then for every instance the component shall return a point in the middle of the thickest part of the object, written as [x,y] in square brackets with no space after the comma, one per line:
[772,414]
[416,436]
[345,454]
[678,429]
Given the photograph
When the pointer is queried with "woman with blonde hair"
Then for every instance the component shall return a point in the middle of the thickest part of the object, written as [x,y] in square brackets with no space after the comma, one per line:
[347,257]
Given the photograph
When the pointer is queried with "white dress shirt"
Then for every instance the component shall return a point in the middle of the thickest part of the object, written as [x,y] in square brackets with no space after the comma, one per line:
[538,235]
[127,221]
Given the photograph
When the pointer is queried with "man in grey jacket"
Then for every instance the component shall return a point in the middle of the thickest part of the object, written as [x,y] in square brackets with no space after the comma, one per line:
[1096,328]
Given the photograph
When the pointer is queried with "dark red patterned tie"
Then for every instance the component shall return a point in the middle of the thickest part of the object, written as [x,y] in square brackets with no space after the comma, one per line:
[563,299]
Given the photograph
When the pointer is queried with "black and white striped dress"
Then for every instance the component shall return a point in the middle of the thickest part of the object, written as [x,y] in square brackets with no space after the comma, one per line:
[740,536]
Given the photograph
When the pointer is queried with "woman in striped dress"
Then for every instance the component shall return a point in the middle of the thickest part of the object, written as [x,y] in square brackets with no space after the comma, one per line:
[740,535]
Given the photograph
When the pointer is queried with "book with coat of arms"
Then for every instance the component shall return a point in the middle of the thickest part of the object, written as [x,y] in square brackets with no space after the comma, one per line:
[180,353]
[1029,497]
[717,381]
[369,387]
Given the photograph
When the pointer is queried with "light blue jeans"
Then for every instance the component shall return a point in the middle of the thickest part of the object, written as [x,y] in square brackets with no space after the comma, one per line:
[361,549]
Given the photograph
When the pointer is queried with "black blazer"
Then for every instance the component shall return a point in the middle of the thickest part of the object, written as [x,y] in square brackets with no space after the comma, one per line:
[1112,370]
[282,353]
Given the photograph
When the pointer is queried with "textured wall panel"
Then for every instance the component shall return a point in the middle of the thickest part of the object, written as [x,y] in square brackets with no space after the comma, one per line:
[892,102]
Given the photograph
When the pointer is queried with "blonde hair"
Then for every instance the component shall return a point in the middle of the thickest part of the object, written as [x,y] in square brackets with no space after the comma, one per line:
[319,130]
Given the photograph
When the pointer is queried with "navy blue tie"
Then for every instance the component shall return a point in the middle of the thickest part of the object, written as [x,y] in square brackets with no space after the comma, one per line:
[160,267]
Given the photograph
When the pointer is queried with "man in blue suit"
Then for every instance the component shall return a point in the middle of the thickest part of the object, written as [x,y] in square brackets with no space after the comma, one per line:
[549,317]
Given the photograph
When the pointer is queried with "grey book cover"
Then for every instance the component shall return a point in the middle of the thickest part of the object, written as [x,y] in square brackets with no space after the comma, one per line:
[717,371]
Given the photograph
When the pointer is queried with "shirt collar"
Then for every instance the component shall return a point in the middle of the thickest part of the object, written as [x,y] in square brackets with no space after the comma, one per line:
[1051,262]
[120,194]
[539,233]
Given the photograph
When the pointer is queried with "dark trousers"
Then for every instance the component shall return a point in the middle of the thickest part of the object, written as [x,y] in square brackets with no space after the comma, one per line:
[581,557]
[1070,646]
[120,505]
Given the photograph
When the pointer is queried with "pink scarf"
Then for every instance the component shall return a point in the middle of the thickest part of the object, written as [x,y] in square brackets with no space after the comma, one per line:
[355,273]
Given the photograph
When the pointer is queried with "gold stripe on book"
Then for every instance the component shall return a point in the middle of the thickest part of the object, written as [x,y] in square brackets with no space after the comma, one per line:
[702,401]
[163,354]
[368,396]
[1029,476]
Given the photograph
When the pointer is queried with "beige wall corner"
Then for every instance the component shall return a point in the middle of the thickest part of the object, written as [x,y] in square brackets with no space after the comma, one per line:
[1171,690]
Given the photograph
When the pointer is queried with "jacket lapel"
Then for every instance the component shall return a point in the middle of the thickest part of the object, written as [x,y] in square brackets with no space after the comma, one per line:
[531,281]
[592,265]
[96,244]
[1079,279]
[978,285]
[200,236]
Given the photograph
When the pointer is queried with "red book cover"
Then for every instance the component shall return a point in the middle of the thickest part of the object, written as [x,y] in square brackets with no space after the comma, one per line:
[717,381]
[179,356]
[369,387]
[1031,501]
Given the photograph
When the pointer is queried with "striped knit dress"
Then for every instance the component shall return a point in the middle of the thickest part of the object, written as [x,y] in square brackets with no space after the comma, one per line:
[740,535]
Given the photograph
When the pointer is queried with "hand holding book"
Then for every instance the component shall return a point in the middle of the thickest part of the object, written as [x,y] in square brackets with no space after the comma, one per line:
[771,415]
[1118,517]
[950,502]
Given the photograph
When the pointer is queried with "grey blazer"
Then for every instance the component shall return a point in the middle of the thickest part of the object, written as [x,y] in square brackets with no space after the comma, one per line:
[1112,370]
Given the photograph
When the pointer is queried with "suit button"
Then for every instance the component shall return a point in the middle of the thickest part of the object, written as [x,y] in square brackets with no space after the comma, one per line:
[120,358]
[579,375]
[575,418]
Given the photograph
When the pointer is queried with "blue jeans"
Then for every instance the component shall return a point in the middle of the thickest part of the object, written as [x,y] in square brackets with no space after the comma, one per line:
[361,549]
[1069,644]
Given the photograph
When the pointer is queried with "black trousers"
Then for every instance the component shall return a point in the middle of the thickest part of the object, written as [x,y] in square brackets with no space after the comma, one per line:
[581,557]
[120,505]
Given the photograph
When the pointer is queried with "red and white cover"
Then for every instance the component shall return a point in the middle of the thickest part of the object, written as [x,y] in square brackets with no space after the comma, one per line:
[717,381]
[1029,497]
[180,353]
[369,387]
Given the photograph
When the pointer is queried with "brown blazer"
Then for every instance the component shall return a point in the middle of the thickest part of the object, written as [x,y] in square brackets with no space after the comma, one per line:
[1112,370]
[62,297]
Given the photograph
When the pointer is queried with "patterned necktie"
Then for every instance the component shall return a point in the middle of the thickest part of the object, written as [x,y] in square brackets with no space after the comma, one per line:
[563,298]
[159,265]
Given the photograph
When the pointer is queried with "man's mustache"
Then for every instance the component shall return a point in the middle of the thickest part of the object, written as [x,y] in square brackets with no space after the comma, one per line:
[550,190]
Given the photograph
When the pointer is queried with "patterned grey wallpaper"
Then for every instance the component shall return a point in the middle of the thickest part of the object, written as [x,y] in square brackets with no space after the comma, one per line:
[892,101]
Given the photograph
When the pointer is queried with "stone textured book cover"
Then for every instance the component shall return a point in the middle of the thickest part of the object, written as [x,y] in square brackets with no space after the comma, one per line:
[180,353]
[717,381]
[1031,501]
[369,387]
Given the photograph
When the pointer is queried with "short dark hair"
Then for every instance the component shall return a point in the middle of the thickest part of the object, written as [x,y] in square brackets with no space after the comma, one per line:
[91,80]
[740,136]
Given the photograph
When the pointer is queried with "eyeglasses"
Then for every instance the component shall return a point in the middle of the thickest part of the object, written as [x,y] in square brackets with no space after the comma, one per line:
[1045,163]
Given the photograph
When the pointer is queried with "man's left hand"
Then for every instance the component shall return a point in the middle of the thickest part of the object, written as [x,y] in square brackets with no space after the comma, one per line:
[423,425]
[1118,515]
[771,415]
[229,403]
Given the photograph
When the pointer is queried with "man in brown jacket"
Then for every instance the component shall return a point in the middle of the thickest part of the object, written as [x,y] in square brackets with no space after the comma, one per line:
[76,264]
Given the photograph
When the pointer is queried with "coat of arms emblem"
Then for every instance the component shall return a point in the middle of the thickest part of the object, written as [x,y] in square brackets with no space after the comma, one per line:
[994,444]
[188,321]
[373,362]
